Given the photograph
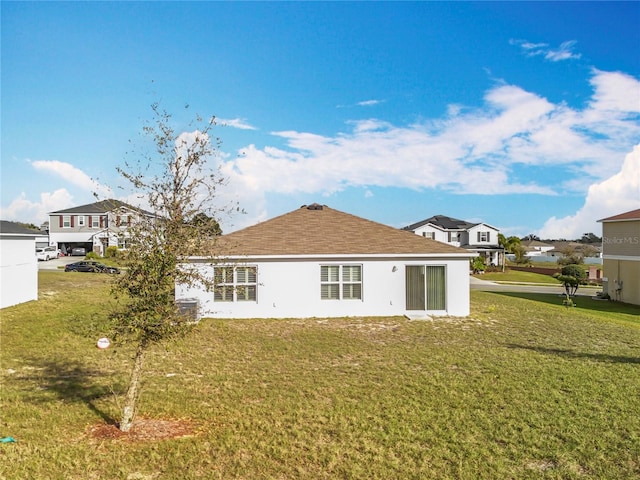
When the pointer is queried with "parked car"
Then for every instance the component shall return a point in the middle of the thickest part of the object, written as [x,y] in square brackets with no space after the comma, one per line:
[78,252]
[90,266]
[46,253]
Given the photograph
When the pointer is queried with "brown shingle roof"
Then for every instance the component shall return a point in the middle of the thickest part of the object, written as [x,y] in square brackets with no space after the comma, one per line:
[632,215]
[318,229]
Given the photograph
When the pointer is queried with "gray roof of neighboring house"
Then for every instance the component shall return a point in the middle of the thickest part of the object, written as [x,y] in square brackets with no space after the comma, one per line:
[13,228]
[442,221]
[320,230]
[103,206]
[535,243]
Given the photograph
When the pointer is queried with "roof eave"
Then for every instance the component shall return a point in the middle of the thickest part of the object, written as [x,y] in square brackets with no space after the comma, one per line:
[605,220]
[34,235]
[377,256]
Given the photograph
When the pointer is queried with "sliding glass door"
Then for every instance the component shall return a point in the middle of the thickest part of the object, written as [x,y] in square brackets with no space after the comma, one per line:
[426,287]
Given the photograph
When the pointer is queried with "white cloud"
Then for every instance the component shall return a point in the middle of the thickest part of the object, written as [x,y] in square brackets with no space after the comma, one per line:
[36,211]
[476,150]
[72,175]
[615,92]
[368,103]
[22,209]
[484,150]
[364,103]
[529,45]
[563,52]
[240,123]
[617,194]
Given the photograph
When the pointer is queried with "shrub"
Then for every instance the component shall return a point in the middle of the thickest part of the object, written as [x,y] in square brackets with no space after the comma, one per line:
[92,256]
[478,265]
[576,271]
[111,252]
[571,277]
[571,259]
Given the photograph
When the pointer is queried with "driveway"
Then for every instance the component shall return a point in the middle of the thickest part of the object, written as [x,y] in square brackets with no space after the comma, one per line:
[58,263]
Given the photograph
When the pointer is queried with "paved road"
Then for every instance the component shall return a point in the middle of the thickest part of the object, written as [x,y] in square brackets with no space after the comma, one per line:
[478,284]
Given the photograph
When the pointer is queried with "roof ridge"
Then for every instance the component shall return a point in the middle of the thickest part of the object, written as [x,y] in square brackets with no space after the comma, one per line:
[310,230]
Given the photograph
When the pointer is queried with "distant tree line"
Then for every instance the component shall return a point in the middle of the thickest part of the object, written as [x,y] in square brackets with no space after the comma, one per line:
[571,254]
[588,238]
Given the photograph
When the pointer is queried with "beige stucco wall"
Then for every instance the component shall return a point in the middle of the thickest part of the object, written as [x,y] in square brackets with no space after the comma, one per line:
[627,272]
[621,238]
[621,260]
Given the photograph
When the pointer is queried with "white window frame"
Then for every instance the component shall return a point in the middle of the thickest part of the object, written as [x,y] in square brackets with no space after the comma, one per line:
[235,283]
[123,242]
[429,293]
[66,221]
[81,220]
[338,282]
[429,235]
[484,236]
[95,221]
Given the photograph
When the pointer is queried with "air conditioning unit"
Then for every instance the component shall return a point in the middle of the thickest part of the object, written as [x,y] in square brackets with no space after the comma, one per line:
[189,307]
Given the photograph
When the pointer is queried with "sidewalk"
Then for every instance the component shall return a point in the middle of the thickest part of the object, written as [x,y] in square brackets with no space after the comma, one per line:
[476,281]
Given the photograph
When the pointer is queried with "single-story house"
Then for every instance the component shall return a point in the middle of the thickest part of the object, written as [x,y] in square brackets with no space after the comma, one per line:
[621,256]
[319,262]
[535,248]
[18,264]
[562,248]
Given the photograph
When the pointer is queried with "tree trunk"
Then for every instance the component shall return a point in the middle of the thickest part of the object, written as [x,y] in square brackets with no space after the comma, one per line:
[133,392]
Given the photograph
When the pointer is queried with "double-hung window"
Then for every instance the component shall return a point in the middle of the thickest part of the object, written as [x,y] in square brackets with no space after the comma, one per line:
[123,241]
[341,282]
[484,237]
[235,284]
[66,221]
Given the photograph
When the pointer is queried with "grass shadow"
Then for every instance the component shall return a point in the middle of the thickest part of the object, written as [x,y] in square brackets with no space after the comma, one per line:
[563,352]
[583,301]
[72,382]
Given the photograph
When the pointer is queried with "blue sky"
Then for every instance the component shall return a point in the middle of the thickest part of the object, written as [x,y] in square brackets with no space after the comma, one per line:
[523,115]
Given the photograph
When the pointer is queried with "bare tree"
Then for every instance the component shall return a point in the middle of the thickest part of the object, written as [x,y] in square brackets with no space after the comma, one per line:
[179,188]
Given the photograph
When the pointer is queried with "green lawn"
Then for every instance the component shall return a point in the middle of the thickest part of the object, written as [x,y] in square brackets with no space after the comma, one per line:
[515,276]
[522,389]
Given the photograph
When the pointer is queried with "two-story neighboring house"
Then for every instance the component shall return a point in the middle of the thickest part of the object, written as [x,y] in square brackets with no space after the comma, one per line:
[93,227]
[479,238]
